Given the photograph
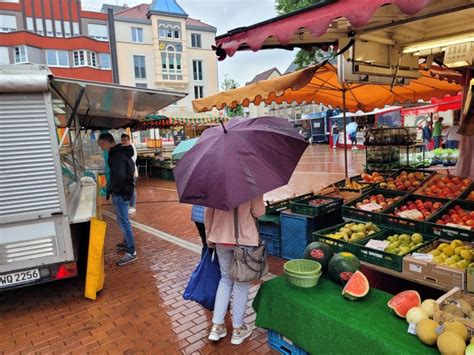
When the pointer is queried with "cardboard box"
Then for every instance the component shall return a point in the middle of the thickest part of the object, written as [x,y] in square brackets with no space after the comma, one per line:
[433,273]
[453,294]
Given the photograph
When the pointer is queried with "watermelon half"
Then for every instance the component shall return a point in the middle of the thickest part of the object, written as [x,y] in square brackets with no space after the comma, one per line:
[357,287]
[342,266]
[404,301]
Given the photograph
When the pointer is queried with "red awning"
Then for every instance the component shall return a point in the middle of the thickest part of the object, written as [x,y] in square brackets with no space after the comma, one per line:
[316,20]
[437,105]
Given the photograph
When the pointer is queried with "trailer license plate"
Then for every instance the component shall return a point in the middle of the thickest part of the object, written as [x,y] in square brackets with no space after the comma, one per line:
[21,277]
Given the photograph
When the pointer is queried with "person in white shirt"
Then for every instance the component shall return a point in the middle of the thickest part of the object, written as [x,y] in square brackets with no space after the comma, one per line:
[452,136]
[125,140]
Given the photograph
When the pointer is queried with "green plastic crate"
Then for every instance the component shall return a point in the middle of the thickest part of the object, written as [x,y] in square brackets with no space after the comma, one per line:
[303,207]
[339,245]
[342,183]
[405,223]
[448,232]
[381,258]
[278,206]
[350,211]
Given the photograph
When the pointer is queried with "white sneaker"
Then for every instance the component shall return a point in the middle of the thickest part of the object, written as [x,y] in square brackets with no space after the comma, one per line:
[238,336]
[334,147]
[355,148]
[132,210]
[218,331]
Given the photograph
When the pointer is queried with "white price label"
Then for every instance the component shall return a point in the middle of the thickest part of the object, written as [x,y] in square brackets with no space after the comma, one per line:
[458,226]
[377,244]
[410,214]
[422,256]
[412,328]
[415,268]
[369,207]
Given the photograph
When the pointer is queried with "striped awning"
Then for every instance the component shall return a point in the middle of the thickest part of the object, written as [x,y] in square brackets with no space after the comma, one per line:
[181,116]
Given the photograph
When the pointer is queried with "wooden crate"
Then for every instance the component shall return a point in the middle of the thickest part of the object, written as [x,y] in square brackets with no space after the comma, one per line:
[440,316]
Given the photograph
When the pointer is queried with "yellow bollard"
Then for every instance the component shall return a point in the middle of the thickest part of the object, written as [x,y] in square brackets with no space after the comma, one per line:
[95,276]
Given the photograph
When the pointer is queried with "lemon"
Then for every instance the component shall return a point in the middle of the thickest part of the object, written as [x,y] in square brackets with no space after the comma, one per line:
[448,251]
[466,255]
[442,246]
[456,243]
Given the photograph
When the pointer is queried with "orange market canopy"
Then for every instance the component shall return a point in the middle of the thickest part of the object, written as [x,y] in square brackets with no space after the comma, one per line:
[320,84]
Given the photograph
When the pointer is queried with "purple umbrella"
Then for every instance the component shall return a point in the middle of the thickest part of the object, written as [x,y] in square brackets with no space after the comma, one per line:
[233,164]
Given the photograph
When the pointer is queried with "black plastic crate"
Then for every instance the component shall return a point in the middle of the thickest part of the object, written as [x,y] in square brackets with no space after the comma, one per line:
[365,186]
[278,206]
[303,206]
[405,223]
[430,181]
[428,174]
[339,245]
[451,232]
[382,258]
[350,211]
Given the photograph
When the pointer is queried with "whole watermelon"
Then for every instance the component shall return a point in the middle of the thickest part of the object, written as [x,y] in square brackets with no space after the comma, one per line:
[320,252]
[342,266]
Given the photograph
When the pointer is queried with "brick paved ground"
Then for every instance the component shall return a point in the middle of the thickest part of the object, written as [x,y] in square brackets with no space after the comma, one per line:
[141,309]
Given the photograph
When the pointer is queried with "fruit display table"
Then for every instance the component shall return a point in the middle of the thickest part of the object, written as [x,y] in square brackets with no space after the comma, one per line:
[321,321]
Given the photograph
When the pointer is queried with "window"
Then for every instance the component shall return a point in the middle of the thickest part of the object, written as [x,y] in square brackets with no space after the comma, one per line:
[171,61]
[139,65]
[195,40]
[104,60]
[39,26]
[99,32]
[58,28]
[83,58]
[29,24]
[21,54]
[4,56]
[7,23]
[75,28]
[137,35]
[162,31]
[49,28]
[177,32]
[198,92]
[57,58]
[67,29]
[141,85]
[197,69]
[169,32]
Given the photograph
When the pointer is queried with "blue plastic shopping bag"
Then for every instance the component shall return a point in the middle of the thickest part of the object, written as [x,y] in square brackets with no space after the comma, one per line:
[202,286]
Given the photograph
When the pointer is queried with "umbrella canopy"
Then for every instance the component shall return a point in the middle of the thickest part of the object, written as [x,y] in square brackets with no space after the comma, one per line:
[229,166]
[321,85]
[183,147]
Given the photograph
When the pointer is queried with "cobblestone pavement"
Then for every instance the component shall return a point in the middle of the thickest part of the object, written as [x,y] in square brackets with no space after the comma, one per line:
[141,309]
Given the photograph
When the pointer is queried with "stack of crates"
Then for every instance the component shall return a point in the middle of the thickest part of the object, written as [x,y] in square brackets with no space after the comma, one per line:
[283,345]
[297,228]
[269,230]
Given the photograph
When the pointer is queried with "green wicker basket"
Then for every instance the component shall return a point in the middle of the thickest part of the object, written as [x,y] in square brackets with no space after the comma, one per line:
[302,272]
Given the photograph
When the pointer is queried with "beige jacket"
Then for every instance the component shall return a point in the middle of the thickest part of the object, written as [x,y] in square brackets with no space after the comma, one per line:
[220,224]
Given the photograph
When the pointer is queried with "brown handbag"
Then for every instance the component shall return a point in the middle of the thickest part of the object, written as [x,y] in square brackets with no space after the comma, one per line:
[247,265]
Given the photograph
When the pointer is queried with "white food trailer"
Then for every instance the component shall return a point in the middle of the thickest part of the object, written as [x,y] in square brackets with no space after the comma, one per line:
[47,190]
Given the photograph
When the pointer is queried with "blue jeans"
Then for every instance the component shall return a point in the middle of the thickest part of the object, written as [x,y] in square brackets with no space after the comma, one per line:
[121,211]
[437,141]
[335,139]
[452,144]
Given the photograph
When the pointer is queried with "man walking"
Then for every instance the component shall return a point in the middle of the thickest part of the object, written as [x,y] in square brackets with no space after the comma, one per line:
[125,140]
[121,188]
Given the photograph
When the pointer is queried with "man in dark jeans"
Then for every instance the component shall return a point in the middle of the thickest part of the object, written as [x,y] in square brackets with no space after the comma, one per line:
[121,186]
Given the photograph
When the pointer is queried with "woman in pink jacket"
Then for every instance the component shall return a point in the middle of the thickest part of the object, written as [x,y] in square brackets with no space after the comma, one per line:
[221,234]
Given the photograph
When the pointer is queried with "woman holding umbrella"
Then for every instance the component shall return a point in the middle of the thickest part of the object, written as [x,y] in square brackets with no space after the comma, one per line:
[220,231]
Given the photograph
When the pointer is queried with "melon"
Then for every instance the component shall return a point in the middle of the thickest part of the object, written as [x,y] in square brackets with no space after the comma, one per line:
[320,252]
[404,301]
[357,286]
[342,266]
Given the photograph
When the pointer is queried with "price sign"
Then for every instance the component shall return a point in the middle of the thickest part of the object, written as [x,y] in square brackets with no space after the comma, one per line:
[410,214]
[422,256]
[458,226]
[369,207]
[377,244]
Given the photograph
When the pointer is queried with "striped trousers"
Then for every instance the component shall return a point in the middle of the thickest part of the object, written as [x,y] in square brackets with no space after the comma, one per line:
[226,287]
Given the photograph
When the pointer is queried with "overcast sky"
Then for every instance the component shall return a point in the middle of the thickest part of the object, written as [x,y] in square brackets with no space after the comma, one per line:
[226,15]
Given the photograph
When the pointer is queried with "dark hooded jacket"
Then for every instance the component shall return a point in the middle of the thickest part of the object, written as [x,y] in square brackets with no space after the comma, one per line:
[122,169]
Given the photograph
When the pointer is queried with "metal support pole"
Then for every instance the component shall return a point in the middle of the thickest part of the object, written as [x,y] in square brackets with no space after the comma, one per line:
[344,122]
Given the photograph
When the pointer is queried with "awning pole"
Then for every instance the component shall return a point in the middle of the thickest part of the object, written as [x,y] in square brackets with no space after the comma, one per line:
[344,120]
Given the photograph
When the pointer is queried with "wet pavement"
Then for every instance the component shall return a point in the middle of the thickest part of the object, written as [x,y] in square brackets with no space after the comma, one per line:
[141,309]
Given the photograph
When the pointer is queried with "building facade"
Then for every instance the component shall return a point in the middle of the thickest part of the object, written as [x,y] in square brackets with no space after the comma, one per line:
[159,45]
[72,42]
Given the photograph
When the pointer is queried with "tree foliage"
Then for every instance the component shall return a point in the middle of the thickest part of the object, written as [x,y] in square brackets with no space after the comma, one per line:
[304,57]
[229,84]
